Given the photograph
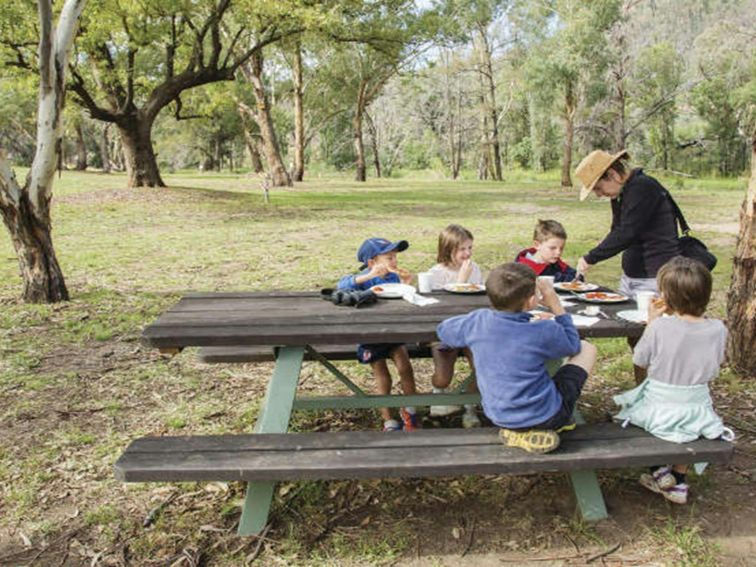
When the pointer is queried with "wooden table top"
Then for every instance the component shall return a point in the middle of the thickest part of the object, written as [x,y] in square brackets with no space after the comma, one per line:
[301,318]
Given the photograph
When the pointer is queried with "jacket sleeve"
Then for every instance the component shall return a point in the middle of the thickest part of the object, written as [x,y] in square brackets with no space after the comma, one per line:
[347,282]
[566,276]
[563,339]
[638,203]
[452,331]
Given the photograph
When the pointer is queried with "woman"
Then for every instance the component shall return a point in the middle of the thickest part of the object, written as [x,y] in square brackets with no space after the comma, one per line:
[644,227]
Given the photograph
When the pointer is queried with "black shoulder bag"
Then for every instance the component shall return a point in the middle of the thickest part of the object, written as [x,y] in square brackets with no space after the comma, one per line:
[691,247]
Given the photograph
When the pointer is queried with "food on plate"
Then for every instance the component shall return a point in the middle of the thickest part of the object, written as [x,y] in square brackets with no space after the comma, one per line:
[603,296]
[377,289]
[466,287]
[572,285]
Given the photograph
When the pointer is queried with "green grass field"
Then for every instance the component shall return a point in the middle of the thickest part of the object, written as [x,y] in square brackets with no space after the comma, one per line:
[75,386]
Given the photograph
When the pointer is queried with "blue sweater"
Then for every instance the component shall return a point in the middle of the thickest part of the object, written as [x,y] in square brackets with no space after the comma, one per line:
[347,282]
[510,355]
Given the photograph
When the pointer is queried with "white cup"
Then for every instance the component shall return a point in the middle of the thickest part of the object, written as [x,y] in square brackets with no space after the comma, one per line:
[549,279]
[643,299]
[424,282]
[591,310]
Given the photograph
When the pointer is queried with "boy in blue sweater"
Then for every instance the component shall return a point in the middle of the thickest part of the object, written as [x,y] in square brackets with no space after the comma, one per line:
[378,257]
[510,354]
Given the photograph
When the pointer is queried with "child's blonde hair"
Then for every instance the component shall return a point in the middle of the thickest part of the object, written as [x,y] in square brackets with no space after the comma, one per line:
[546,229]
[685,285]
[451,238]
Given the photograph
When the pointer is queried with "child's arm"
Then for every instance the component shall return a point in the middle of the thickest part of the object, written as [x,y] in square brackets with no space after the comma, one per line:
[644,349]
[452,331]
[465,271]
[568,275]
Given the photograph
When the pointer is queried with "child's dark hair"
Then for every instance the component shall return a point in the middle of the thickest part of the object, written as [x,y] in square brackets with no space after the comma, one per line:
[449,240]
[508,286]
[686,286]
[546,229]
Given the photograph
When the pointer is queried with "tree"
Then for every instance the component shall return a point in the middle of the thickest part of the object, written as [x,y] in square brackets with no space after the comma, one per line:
[136,57]
[26,209]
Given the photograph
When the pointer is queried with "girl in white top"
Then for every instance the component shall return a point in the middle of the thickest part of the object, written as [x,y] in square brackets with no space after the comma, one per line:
[455,265]
[682,352]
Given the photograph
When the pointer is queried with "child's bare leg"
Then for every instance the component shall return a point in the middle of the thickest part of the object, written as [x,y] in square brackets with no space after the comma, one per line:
[680,469]
[382,383]
[443,367]
[586,358]
[472,387]
[401,359]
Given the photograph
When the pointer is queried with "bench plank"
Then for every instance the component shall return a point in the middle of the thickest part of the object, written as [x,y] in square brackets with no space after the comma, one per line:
[265,353]
[343,455]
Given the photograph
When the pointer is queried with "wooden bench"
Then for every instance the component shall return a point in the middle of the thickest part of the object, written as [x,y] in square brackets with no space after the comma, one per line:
[263,353]
[426,453]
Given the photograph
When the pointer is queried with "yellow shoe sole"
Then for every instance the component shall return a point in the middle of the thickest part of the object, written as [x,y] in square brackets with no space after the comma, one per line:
[532,441]
[568,427]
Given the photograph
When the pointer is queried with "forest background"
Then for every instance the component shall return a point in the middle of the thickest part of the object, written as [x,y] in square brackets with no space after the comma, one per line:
[458,88]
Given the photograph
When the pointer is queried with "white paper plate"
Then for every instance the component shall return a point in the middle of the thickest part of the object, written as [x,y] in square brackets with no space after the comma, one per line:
[632,315]
[392,290]
[577,287]
[610,297]
[464,288]
[537,315]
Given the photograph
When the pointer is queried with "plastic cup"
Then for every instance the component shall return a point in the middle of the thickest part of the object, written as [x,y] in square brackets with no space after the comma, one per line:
[592,310]
[424,282]
[549,279]
[643,299]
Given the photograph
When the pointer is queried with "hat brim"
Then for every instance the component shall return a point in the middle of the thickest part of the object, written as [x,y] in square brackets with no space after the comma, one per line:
[399,246]
[586,190]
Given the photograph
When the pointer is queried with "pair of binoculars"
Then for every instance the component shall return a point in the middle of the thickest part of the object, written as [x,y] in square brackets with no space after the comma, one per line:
[350,297]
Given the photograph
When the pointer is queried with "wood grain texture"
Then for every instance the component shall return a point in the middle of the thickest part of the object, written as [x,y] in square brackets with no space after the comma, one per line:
[368,454]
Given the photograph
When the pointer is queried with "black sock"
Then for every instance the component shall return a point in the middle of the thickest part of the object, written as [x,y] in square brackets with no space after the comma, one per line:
[679,477]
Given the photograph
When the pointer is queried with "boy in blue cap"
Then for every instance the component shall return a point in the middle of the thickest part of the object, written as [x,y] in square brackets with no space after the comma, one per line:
[378,257]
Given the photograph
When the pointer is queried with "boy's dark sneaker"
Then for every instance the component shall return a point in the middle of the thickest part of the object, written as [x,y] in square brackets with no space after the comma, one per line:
[532,440]
[409,420]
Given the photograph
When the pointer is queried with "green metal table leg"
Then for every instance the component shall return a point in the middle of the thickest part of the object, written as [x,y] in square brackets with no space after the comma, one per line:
[274,418]
[588,494]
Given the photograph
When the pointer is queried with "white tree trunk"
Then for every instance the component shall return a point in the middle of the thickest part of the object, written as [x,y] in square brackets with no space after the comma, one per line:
[26,210]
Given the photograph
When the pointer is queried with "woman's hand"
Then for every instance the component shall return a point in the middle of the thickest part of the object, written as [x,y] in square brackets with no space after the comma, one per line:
[582,266]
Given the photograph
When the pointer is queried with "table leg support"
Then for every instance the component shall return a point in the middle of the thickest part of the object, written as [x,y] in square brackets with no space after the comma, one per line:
[274,418]
[590,500]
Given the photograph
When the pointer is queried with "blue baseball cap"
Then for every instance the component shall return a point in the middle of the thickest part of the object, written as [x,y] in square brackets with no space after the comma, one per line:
[373,247]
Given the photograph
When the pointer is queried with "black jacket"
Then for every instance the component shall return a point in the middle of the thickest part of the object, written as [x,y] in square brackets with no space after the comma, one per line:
[643,226]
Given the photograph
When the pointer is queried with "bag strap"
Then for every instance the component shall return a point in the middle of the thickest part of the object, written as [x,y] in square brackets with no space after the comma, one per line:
[684,227]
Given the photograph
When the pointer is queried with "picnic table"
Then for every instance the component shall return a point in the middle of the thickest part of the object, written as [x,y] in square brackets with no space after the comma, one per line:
[299,324]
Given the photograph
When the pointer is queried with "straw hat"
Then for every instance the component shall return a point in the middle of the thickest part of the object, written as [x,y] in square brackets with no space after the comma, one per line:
[593,166]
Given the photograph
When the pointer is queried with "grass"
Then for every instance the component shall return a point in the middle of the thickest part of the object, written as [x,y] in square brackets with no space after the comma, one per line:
[76,386]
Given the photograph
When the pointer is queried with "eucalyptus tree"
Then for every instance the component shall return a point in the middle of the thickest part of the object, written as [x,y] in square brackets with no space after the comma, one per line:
[136,57]
[656,79]
[571,54]
[26,208]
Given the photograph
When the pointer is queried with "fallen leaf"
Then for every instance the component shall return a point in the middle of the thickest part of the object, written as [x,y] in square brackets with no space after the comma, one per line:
[456,533]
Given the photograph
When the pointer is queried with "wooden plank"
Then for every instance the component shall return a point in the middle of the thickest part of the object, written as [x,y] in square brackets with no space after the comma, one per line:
[397,462]
[320,403]
[259,353]
[363,439]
